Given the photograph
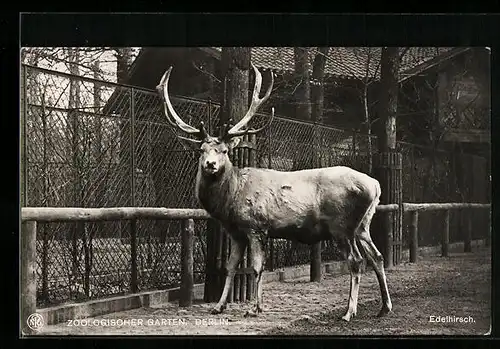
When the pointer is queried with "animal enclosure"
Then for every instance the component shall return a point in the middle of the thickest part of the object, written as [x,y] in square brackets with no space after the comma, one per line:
[304,308]
[90,143]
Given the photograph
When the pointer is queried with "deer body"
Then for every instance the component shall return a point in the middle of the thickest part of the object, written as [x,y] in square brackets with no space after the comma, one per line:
[306,206]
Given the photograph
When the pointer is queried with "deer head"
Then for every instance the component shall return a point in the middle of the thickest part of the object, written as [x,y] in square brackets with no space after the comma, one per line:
[214,157]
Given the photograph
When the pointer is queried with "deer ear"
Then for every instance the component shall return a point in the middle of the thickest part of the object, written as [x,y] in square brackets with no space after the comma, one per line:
[233,142]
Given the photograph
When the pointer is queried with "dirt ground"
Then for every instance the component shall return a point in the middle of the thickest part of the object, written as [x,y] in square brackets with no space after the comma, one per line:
[458,286]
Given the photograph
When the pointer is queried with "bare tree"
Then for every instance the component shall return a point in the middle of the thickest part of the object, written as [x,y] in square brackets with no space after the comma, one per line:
[309,99]
[317,84]
[123,61]
[63,130]
[302,90]
[76,156]
[317,97]
[369,58]
[302,101]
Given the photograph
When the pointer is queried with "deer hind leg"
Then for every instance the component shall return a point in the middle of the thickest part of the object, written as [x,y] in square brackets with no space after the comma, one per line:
[375,258]
[257,257]
[235,257]
[355,261]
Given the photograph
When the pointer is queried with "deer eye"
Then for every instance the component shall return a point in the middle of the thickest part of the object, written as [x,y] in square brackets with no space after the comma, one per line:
[224,151]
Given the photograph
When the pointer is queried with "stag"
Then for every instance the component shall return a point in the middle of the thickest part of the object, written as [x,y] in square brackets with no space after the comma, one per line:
[307,206]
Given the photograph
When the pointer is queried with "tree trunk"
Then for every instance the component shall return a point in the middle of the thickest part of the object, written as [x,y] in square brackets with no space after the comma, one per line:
[235,77]
[387,171]
[235,67]
[317,84]
[302,92]
[302,97]
[389,98]
[309,98]
[123,61]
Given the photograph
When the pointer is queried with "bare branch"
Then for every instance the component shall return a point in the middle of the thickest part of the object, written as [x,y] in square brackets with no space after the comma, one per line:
[200,69]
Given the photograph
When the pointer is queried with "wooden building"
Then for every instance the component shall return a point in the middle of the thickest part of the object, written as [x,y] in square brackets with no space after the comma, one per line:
[444,98]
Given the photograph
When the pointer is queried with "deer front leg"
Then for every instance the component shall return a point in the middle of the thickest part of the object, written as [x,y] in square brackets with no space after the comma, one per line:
[257,257]
[355,260]
[235,257]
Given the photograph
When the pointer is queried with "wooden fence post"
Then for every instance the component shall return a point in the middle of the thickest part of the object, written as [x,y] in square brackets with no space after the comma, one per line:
[215,262]
[28,276]
[187,261]
[468,231]
[271,255]
[446,235]
[487,240]
[315,267]
[413,236]
[387,226]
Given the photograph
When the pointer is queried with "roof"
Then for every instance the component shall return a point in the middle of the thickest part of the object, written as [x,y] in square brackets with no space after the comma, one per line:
[345,62]
[342,62]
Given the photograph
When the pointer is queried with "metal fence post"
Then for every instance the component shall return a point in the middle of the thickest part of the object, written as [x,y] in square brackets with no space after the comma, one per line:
[269,155]
[133,256]
[23,138]
[209,114]
[132,149]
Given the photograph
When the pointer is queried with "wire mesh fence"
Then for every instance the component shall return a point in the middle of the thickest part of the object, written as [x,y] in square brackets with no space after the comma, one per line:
[89,143]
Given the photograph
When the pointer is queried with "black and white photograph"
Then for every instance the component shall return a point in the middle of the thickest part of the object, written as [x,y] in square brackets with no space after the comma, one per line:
[261,191]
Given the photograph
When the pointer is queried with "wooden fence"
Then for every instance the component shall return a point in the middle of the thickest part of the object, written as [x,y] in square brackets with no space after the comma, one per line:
[31,215]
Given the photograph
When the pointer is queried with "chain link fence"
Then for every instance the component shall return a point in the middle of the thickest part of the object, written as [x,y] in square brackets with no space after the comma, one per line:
[90,143]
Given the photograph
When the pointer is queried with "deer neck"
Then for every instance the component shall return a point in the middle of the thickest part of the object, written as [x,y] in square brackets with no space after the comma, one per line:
[216,193]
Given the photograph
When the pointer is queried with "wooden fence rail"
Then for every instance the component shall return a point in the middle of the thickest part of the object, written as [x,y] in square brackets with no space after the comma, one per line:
[414,209]
[75,214]
[31,215]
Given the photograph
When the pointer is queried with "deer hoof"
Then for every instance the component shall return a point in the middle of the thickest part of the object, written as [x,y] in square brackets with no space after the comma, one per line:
[217,310]
[347,317]
[384,311]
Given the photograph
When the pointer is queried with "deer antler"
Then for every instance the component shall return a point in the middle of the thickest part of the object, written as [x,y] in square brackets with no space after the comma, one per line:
[236,130]
[163,90]
[249,132]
